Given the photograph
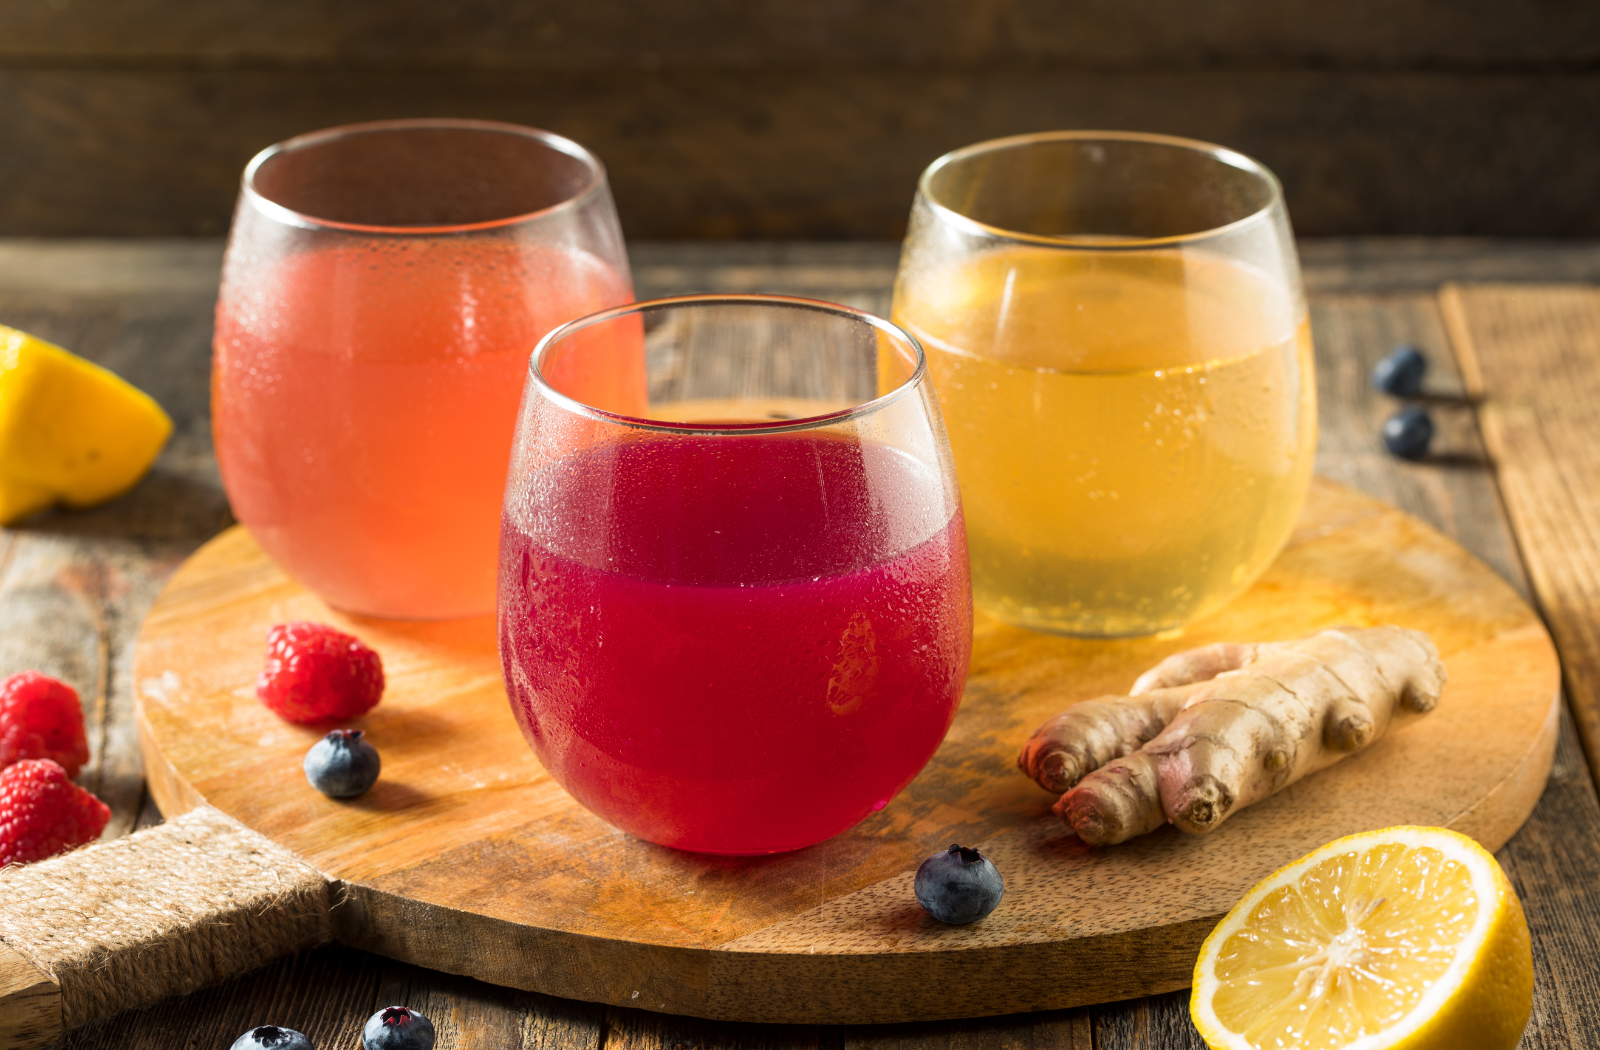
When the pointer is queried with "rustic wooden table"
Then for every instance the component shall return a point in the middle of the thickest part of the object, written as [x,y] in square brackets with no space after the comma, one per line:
[1515,386]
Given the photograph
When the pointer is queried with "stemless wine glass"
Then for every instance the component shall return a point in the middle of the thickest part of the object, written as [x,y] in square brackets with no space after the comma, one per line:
[1117,334]
[383,289]
[738,620]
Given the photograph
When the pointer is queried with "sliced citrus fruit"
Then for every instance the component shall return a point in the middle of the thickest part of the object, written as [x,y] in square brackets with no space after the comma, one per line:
[1407,937]
[70,431]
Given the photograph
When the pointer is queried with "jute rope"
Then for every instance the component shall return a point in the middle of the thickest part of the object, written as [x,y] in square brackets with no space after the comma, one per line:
[162,912]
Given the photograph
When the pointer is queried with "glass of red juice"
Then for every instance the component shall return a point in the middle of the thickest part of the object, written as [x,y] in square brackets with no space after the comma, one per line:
[383,289]
[737,620]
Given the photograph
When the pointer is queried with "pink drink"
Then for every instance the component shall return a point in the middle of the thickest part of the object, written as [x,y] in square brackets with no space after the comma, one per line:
[716,643]
[364,398]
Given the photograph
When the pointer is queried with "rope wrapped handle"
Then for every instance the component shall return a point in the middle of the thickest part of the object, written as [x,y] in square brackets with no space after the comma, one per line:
[162,912]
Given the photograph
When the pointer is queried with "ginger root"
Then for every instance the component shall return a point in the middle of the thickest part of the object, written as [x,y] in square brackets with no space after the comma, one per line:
[1209,731]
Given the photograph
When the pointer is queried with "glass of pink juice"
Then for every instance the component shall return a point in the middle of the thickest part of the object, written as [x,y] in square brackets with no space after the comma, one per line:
[383,289]
[737,619]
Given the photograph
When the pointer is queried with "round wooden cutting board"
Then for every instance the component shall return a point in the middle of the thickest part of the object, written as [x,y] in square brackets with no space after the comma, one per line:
[466,857]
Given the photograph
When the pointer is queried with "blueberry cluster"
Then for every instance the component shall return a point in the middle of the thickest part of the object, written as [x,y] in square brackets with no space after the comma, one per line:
[1409,431]
[392,1028]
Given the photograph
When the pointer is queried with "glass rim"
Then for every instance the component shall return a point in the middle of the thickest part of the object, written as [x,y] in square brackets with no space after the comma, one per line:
[561,144]
[779,426]
[1230,157]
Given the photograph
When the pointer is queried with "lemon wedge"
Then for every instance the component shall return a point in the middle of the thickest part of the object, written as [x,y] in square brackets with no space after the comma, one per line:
[70,431]
[1407,937]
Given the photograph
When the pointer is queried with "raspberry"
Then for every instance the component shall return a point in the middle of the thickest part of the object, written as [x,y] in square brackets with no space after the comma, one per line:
[41,718]
[317,674]
[42,812]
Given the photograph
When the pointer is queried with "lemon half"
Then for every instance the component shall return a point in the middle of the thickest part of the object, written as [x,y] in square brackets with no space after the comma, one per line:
[1407,937]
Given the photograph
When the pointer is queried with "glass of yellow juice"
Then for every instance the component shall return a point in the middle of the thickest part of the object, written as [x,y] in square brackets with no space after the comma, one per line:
[1117,333]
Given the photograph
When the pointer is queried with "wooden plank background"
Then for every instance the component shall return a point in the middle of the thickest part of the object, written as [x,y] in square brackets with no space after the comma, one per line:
[1530,357]
[727,119]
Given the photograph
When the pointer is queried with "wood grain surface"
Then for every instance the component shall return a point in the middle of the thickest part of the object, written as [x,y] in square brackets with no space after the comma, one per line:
[468,857]
[606,34]
[33,1002]
[1533,357]
[125,150]
[146,305]
[719,119]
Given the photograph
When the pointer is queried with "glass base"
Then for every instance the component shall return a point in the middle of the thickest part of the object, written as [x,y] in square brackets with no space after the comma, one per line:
[1081,623]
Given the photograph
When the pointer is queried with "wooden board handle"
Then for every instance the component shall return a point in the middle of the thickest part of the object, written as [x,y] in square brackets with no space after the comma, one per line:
[161,912]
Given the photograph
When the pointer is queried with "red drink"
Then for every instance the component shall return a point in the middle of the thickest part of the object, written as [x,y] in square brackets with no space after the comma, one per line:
[364,398]
[734,644]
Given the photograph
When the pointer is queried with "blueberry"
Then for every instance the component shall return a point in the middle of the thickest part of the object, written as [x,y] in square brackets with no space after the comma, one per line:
[271,1037]
[1407,433]
[959,886]
[342,765]
[1400,374]
[397,1028]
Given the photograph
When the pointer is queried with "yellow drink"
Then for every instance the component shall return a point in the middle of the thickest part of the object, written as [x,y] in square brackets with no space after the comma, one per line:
[1133,430]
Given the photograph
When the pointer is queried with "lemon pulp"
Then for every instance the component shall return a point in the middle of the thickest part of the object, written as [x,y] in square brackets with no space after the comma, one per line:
[1410,937]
